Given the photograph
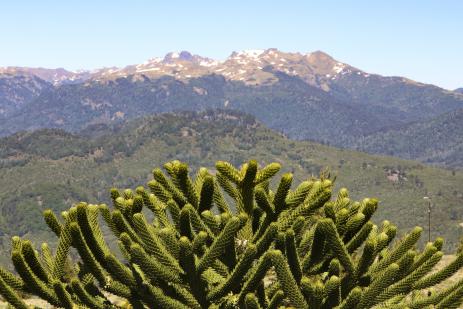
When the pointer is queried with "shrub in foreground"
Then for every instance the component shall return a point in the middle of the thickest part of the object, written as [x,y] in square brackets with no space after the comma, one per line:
[226,240]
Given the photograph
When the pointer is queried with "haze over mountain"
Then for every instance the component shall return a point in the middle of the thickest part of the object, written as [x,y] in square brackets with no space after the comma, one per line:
[305,96]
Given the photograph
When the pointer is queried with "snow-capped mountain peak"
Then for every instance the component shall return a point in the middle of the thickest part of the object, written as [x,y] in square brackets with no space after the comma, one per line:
[254,66]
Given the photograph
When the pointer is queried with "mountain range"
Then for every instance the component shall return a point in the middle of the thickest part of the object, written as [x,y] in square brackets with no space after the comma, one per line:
[307,96]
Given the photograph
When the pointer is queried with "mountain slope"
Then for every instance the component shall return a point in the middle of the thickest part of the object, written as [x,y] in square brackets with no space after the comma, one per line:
[62,168]
[437,141]
[18,90]
[404,100]
[289,105]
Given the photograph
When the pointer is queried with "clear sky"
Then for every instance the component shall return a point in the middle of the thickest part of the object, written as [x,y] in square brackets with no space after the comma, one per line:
[419,39]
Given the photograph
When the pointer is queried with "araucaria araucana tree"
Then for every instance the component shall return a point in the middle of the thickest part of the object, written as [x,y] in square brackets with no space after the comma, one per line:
[225,239]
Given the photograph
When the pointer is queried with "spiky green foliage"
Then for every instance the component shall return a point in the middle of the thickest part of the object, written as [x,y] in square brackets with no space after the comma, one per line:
[186,244]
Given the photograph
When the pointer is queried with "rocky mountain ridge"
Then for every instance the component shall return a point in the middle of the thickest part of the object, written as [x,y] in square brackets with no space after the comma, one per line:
[249,66]
[253,67]
[55,77]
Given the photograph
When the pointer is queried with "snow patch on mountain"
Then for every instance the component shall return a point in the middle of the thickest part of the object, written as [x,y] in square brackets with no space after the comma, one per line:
[338,67]
[251,53]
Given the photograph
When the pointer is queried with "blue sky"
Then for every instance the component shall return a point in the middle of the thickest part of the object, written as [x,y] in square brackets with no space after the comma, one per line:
[419,39]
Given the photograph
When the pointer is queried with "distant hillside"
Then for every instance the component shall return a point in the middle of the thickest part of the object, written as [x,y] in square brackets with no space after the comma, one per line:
[17,91]
[290,105]
[402,100]
[436,141]
[53,169]
[459,90]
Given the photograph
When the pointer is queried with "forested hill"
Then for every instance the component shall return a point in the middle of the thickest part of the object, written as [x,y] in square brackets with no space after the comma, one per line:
[436,141]
[53,169]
